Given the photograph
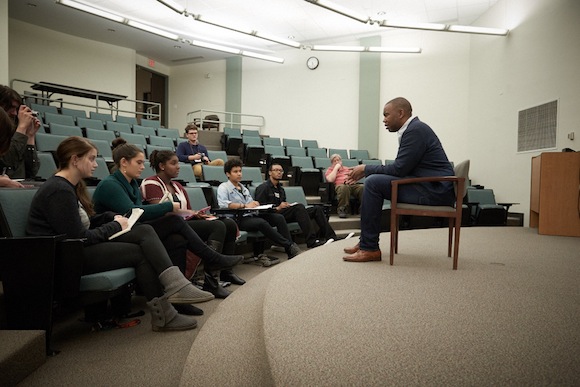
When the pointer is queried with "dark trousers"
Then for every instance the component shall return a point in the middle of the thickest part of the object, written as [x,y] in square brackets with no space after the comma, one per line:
[222,230]
[378,188]
[139,248]
[302,215]
[264,223]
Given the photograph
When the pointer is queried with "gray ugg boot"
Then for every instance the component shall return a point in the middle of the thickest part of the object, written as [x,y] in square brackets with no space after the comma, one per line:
[164,317]
[179,290]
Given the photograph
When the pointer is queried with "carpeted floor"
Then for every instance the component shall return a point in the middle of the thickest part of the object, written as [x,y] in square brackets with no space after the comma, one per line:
[508,316]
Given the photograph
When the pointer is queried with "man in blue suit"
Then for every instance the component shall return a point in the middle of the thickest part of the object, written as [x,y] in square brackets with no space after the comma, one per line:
[420,155]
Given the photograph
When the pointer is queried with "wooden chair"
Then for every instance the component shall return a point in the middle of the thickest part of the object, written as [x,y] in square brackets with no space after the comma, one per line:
[453,213]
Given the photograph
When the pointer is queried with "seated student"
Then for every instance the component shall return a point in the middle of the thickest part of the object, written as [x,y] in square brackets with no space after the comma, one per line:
[338,175]
[119,192]
[272,192]
[232,194]
[219,234]
[21,160]
[192,152]
[62,206]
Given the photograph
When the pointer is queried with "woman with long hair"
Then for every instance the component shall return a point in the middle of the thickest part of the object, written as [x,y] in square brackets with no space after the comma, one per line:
[119,192]
[219,234]
[62,206]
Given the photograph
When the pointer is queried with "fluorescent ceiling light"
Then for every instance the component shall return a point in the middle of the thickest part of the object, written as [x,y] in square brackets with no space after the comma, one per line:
[416,26]
[173,5]
[287,42]
[338,48]
[92,10]
[341,10]
[402,50]
[153,30]
[232,28]
[263,57]
[478,30]
[217,47]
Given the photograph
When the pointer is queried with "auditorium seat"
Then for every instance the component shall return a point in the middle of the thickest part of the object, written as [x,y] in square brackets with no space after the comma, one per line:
[55,118]
[341,152]
[309,143]
[47,165]
[271,141]
[144,130]
[127,120]
[291,142]
[90,123]
[97,134]
[316,152]
[75,113]
[48,142]
[118,127]
[65,130]
[101,116]
[162,141]
[295,151]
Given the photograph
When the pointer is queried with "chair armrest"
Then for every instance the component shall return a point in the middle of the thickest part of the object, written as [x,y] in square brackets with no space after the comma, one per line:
[68,268]
[507,205]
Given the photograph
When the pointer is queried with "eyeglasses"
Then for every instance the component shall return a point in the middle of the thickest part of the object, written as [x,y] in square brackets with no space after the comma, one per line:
[277,170]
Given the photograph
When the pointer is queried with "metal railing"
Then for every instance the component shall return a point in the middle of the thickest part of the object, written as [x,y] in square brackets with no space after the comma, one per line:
[32,92]
[217,120]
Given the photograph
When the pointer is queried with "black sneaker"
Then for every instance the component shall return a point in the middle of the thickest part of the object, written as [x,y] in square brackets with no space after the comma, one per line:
[315,243]
[293,251]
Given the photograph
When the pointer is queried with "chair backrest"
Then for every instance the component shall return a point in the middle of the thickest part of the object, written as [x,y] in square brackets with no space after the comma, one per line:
[462,170]
[251,140]
[317,152]
[275,150]
[342,152]
[48,142]
[233,132]
[98,134]
[481,196]
[309,143]
[147,171]
[101,116]
[272,141]
[65,130]
[76,113]
[161,141]
[144,130]
[302,161]
[295,194]
[359,154]
[252,174]
[349,162]
[127,120]
[196,198]
[371,162]
[295,151]
[150,123]
[47,166]
[44,108]
[168,132]
[215,155]
[90,123]
[102,170]
[14,205]
[251,132]
[103,149]
[132,138]
[291,142]
[150,148]
[54,118]
[119,127]
[215,173]
[322,163]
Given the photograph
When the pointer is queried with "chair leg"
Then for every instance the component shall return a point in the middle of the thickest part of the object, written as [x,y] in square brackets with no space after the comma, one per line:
[394,235]
[456,247]
[450,237]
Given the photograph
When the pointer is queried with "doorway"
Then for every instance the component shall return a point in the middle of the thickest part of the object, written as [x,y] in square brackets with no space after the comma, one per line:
[151,87]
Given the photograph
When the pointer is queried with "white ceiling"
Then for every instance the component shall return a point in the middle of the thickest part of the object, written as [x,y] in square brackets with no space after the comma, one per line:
[304,22]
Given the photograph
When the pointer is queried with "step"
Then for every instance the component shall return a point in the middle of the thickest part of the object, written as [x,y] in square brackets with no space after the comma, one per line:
[21,353]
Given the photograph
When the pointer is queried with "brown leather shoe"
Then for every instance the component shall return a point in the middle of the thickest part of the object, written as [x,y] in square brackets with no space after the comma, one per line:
[364,256]
[352,250]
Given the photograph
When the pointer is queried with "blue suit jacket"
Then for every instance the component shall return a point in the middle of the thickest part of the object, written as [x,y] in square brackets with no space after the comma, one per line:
[420,155]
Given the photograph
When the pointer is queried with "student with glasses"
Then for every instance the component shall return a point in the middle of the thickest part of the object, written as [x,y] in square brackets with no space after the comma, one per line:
[233,195]
[272,192]
[192,152]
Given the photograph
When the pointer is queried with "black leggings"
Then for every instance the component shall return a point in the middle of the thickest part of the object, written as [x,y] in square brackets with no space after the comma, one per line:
[223,230]
[139,248]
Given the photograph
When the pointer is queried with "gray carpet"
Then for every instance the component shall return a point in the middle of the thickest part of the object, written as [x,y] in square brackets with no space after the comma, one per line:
[509,316]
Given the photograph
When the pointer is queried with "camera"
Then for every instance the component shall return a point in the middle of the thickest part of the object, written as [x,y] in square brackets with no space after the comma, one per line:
[34,113]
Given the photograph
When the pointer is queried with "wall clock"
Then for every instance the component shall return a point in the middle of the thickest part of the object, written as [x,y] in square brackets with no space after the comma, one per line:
[312,62]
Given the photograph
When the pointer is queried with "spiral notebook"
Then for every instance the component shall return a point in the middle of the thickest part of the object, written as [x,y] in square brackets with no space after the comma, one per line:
[135,215]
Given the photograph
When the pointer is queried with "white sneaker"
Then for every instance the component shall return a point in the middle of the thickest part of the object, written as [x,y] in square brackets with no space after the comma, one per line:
[349,235]
[328,242]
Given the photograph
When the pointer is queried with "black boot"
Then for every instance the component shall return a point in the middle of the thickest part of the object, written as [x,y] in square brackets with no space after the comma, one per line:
[214,261]
[188,309]
[212,285]
[230,276]
[215,245]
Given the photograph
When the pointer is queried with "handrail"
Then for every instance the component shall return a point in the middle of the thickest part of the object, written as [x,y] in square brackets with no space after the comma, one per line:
[226,119]
[129,106]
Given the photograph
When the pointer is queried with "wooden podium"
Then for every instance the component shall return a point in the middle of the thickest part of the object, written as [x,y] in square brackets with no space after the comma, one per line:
[555,193]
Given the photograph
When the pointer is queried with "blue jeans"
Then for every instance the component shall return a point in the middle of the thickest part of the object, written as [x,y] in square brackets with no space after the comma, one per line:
[378,188]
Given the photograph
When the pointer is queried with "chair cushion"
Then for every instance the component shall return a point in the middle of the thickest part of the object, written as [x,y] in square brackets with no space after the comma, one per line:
[107,280]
